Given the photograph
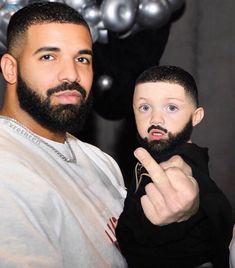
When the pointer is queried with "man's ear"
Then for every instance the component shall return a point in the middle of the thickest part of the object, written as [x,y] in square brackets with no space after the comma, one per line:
[198,115]
[9,68]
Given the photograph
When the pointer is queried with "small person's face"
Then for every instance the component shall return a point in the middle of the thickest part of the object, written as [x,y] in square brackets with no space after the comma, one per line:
[165,106]
[54,54]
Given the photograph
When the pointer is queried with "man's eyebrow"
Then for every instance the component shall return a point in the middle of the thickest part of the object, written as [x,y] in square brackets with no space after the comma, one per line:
[46,49]
[85,51]
[56,49]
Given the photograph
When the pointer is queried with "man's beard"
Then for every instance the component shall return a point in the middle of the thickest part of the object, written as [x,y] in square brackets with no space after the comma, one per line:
[58,118]
[160,146]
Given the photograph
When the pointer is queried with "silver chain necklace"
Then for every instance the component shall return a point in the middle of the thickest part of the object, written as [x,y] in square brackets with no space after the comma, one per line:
[28,134]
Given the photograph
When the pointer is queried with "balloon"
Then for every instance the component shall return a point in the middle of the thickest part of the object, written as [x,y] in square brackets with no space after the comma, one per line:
[118,16]
[9,8]
[175,4]
[103,36]
[153,13]
[17,2]
[94,33]
[79,4]
[91,14]
[135,28]
[104,82]
[5,14]
[124,17]
[102,33]
[60,1]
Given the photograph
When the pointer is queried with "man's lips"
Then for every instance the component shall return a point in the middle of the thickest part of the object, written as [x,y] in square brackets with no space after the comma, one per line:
[67,97]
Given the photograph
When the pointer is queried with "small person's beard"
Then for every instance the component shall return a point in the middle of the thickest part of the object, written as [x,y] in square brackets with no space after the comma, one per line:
[58,118]
[160,146]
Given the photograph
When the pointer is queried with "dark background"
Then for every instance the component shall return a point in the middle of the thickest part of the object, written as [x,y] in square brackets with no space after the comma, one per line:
[199,38]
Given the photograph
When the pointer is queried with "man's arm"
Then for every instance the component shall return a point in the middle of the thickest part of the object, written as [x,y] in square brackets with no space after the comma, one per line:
[173,196]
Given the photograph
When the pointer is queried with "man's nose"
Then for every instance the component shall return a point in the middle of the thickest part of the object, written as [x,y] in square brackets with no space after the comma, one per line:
[69,72]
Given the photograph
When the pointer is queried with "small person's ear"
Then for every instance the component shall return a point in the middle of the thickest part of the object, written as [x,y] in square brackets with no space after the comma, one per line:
[9,68]
[197,116]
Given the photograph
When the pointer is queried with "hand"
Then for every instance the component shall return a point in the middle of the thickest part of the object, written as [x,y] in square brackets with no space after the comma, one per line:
[173,196]
[177,162]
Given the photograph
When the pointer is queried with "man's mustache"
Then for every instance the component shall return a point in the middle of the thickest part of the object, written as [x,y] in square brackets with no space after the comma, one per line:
[67,86]
[157,127]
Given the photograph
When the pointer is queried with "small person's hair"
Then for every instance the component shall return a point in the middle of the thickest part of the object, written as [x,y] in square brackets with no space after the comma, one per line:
[40,13]
[171,74]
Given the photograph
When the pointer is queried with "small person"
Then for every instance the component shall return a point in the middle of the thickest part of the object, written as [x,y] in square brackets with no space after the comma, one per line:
[166,110]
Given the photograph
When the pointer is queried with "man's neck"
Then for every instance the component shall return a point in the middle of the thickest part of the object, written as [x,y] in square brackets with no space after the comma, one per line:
[34,126]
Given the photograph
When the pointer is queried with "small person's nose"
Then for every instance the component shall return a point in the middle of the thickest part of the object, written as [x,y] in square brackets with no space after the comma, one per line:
[157,118]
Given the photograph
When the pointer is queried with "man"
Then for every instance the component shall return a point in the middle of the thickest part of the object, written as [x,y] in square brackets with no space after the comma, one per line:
[60,197]
[166,109]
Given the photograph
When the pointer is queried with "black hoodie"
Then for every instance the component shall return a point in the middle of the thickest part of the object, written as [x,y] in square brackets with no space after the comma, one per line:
[205,237]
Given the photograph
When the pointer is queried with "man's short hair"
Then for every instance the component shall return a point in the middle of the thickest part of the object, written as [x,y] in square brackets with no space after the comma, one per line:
[171,74]
[39,13]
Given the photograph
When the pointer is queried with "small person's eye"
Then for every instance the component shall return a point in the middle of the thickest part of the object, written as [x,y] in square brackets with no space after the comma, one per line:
[144,108]
[172,108]
[47,57]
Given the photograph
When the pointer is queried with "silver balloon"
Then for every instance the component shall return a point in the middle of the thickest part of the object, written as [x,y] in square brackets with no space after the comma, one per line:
[136,28]
[5,14]
[94,33]
[104,82]
[153,13]
[60,1]
[79,4]
[91,14]
[103,36]
[9,8]
[102,33]
[21,3]
[118,16]
[36,1]
[175,4]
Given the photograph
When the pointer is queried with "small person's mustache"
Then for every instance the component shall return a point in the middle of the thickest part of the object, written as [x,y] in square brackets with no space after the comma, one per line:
[157,127]
[67,86]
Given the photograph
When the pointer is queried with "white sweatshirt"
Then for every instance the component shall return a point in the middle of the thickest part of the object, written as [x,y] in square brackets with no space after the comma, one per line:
[54,213]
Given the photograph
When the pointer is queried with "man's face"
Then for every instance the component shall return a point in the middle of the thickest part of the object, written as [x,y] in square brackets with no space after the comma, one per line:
[164,113]
[55,74]
[56,118]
